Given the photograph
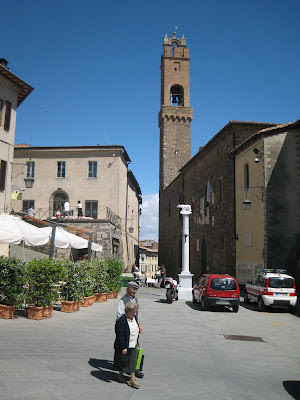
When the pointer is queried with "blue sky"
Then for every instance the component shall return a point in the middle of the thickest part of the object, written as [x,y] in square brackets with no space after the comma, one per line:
[95,67]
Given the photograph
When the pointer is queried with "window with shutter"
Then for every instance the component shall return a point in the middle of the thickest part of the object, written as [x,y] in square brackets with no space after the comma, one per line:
[2,174]
[7,116]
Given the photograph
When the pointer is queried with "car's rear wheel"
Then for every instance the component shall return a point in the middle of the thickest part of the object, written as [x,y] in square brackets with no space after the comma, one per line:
[246,298]
[261,305]
[235,308]
[292,309]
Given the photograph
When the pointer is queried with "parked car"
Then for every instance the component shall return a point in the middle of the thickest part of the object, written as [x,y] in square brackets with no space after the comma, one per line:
[217,290]
[272,288]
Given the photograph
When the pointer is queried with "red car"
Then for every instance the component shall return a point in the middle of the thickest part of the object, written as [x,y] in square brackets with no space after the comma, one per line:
[217,290]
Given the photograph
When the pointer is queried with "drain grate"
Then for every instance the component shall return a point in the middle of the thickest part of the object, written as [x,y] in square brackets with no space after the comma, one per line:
[244,338]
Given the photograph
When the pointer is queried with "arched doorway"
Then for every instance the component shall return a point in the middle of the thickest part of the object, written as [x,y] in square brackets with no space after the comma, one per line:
[57,202]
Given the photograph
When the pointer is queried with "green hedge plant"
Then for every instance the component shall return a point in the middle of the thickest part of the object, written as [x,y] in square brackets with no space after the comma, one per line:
[101,276]
[72,287]
[87,277]
[114,269]
[12,281]
[43,277]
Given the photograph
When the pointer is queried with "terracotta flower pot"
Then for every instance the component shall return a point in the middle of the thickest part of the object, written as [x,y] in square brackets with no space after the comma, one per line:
[87,301]
[7,312]
[40,312]
[100,297]
[70,306]
[110,295]
[115,293]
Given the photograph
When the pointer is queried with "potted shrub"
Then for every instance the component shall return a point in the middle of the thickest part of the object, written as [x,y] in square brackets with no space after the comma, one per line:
[87,277]
[71,291]
[114,271]
[43,276]
[101,277]
[11,285]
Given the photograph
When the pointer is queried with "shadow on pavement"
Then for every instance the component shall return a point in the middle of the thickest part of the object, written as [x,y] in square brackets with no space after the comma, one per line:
[293,388]
[160,301]
[271,310]
[197,307]
[105,370]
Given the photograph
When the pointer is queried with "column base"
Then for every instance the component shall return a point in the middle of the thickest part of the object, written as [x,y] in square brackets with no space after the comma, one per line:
[185,286]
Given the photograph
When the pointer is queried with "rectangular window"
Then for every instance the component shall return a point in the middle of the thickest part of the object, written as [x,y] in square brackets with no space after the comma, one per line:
[61,169]
[30,169]
[91,208]
[28,204]
[246,176]
[2,174]
[92,169]
[7,116]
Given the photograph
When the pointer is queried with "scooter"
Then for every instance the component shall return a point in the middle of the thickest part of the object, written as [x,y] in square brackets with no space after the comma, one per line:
[172,289]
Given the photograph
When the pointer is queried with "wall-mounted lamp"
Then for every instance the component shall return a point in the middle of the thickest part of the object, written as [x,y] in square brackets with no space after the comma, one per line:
[29,182]
[131,229]
[247,203]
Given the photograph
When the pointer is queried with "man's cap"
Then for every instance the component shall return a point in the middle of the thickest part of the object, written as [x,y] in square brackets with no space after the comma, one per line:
[133,284]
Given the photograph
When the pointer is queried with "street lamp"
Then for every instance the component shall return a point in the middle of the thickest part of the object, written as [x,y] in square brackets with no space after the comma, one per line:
[29,182]
[247,204]
[131,229]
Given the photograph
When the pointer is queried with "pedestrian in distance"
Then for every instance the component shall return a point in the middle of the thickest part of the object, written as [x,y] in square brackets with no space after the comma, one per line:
[31,212]
[66,208]
[79,209]
[163,272]
[127,331]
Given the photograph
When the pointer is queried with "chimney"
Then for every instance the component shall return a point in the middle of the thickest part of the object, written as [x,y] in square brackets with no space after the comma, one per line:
[3,62]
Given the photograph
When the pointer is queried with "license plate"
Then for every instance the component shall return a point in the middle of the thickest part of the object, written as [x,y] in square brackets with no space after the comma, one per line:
[281,294]
[222,303]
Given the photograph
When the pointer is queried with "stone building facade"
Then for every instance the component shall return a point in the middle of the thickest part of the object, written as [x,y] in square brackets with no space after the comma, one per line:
[148,255]
[207,182]
[99,177]
[13,91]
[269,229]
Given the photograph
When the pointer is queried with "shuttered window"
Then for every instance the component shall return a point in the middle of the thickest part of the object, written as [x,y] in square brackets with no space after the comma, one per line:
[7,116]
[2,174]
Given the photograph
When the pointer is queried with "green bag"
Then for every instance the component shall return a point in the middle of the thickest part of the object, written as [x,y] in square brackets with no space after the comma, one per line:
[139,354]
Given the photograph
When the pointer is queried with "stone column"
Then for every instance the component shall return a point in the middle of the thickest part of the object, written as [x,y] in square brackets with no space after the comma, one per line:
[185,278]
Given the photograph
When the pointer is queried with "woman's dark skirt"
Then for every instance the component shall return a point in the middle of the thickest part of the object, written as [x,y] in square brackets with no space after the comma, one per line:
[125,363]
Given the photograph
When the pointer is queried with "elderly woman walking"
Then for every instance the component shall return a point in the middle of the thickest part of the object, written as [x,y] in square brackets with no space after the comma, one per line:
[127,332]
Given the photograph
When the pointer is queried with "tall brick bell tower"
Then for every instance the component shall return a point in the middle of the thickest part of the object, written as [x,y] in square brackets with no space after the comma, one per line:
[175,115]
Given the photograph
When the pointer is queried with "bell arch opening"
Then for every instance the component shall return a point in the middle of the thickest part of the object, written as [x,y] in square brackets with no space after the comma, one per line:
[176,96]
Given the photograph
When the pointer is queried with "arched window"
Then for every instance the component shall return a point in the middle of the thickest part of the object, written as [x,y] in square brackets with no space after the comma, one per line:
[176,96]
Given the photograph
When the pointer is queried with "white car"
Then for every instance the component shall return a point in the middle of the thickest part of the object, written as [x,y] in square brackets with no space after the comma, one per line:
[272,287]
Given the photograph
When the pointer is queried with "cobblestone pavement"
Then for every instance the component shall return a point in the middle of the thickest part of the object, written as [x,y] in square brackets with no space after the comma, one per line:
[69,356]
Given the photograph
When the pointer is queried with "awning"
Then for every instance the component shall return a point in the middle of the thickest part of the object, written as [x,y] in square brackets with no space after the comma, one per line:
[14,230]
[64,239]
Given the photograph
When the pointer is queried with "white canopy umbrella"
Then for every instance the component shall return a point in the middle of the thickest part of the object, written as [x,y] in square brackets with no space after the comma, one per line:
[64,239]
[14,230]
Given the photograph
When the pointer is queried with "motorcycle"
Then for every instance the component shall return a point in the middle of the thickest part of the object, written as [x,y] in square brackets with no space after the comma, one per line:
[172,289]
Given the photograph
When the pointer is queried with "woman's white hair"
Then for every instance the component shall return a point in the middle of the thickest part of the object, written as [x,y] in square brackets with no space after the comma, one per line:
[131,306]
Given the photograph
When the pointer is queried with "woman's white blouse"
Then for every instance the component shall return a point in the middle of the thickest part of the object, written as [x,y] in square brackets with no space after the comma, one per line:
[134,332]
